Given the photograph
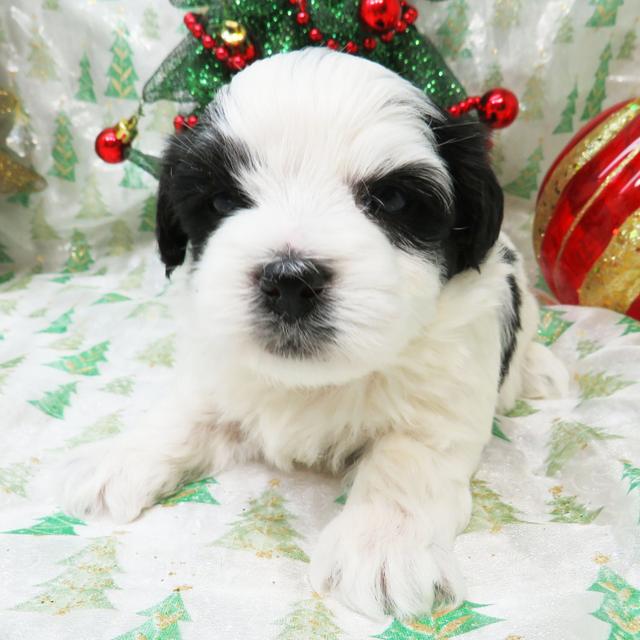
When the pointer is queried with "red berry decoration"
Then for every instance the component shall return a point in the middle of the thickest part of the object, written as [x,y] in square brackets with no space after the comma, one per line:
[236,63]
[332,44]
[178,123]
[189,20]
[388,36]
[222,54]
[369,44]
[197,30]
[410,15]
[192,120]
[207,41]
[351,47]
[498,108]
[303,17]
[315,35]
[380,15]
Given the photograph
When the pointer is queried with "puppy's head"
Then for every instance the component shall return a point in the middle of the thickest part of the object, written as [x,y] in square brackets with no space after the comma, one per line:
[326,202]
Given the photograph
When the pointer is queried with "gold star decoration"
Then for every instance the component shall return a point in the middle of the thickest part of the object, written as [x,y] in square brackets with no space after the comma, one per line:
[15,173]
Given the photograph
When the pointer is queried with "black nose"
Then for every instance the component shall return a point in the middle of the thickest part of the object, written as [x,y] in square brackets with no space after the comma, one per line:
[292,287]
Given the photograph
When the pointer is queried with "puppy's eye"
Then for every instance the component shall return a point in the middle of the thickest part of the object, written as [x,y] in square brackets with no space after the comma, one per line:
[225,202]
[389,200]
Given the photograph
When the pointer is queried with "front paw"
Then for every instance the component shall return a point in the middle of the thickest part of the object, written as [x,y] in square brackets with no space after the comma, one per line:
[380,561]
[109,479]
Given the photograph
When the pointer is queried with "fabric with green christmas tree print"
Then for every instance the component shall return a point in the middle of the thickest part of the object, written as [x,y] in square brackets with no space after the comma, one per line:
[89,328]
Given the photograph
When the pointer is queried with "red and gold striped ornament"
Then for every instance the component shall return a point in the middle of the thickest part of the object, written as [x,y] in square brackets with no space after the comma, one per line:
[586,230]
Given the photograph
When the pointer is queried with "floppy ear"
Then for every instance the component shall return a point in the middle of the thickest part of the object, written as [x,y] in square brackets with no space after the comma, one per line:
[463,143]
[172,239]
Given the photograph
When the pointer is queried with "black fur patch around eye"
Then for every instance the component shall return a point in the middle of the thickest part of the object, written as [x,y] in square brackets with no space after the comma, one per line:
[512,324]
[423,222]
[198,164]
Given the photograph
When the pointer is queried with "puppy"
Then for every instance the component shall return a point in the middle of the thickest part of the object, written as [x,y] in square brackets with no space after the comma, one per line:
[350,306]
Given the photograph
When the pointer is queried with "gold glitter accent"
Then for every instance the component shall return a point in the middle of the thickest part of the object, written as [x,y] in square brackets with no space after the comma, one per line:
[578,217]
[614,280]
[555,491]
[600,558]
[182,587]
[584,151]
[233,34]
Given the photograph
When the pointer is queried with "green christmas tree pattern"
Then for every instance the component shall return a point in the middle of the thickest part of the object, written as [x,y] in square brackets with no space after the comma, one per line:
[488,511]
[51,5]
[264,528]
[598,93]
[85,89]
[121,240]
[80,258]
[54,402]
[496,430]
[148,217]
[453,31]
[632,474]
[104,427]
[163,621]
[521,409]
[197,491]
[68,343]
[122,75]
[15,478]
[159,352]
[5,258]
[620,606]
[628,46]
[567,509]
[551,326]
[630,325]
[442,624]
[41,230]
[597,384]
[84,363]
[526,183]
[605,13]
[533,97]
[7,367]
[494,77]
[133,280]
[63,154]
[150,26]
[506,13]
[58,524]
[21,197]
[132,178]
[567,440]
[40,58]
[111,298]
[309,620]
[586,347]
[120,386]
[565,31]
[61,323]
[92,205]
[82,585]
[566,119]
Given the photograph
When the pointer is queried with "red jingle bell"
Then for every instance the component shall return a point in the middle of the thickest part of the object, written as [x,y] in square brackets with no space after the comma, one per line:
[498,108]
[380,15]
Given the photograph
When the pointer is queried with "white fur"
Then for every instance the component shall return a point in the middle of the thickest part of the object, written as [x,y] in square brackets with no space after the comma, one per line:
[412,381]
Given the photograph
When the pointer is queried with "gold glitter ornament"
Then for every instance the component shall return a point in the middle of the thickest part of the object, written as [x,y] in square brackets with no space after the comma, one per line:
[15,173]
[233,34]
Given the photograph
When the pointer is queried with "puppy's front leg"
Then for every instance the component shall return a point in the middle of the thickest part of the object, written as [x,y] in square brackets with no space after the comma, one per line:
[391,548]
[120,477]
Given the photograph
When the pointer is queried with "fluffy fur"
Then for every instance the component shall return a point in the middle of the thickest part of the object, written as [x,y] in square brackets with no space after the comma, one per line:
[421,327]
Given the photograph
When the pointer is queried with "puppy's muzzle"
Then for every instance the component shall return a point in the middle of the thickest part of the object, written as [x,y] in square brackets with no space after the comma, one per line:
[293,287]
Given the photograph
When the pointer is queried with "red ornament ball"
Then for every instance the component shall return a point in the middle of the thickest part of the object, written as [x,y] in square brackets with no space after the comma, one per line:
[189,20]
[222,54]
[315,35]
[498,108]
[197,30]
[108,147]
[303,17]
[333,44]
[380,15]
[192,120]
[207,41]
[370,44]
[236,63]
[410,15]
[178,123]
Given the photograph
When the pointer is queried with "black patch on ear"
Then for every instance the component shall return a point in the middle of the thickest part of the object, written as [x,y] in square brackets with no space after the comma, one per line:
[511,326]
[199,164]
[478,200]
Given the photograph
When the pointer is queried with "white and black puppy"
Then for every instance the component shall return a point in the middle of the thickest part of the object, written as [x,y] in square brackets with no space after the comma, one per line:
[351,306]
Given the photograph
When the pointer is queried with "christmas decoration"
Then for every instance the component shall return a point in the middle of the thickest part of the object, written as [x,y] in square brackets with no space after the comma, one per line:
[60,324]
[497,108]
[506,13]
[150,26]
[15,173]
[630,325]
[113,142]
[488,511]
[121,386]
[85,91]
[566,121]
[565,31]
[148,216]
[82,585]
[442,624]
[15,477]
[192,492]
[6,368]
[567,509]
[59,524]
[551,326]
[620,606]
[111,298]
[163,621]
[121,240]
[587,347]
[598,93]
[569,438]
[605,13]
[64,156]
[92,205]
[79,254]
[533,97]
[628,46]
[309,620]
[41,230]
[105,427]
[264,528]
[526,182]
[121,73]
[586,230]
[599,385]
[521,409]
[85,363]
[496,430]
[216,47]
[54,402]
[42,66]
[453,31]
[632,474]
[159,352]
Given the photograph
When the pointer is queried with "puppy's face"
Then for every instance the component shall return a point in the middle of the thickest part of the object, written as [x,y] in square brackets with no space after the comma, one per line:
[326,203]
